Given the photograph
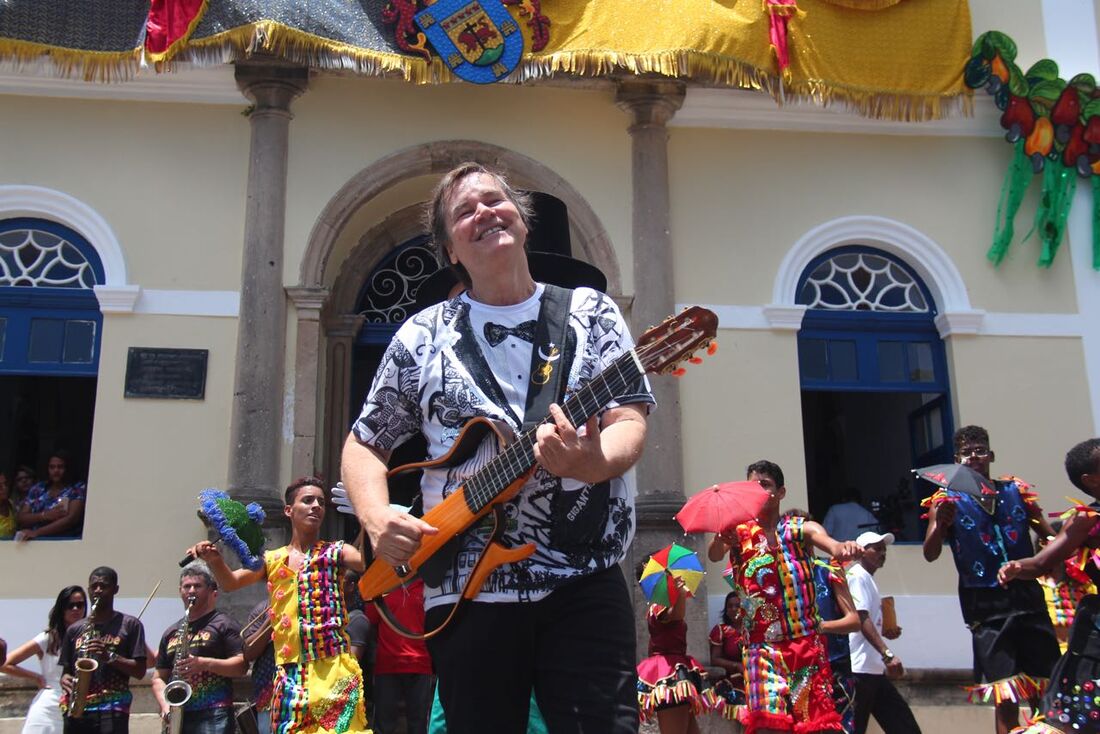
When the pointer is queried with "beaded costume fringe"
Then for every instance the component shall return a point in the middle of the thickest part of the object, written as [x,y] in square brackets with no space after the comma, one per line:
[1019,688]
[667,693]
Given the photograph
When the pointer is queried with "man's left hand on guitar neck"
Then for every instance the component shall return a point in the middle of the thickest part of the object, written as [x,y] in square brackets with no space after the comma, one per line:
[603,449]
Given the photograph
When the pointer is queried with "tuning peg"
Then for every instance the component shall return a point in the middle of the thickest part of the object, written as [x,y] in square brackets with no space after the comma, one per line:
[712,347]
[679,372]
[696,360]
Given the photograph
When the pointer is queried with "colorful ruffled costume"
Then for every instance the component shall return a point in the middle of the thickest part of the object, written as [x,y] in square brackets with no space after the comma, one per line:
[788,680]
[981,540]
[1072,702]
[318,683]
[669,676]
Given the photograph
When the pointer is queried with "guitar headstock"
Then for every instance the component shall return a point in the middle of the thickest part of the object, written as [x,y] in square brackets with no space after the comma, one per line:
[664,346]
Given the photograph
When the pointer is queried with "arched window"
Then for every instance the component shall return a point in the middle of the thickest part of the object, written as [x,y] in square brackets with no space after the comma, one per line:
[875,389]
[49,316]
[50,334]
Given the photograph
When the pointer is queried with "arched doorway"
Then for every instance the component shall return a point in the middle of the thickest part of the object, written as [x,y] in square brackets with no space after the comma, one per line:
[50,333]
[875,389]
[386,299]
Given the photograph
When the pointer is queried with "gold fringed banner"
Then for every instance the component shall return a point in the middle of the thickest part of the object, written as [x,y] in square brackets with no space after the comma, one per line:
[903,61]
[91,66]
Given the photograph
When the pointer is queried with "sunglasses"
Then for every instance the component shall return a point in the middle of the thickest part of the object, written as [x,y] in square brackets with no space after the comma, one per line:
[976,453]
[76,605]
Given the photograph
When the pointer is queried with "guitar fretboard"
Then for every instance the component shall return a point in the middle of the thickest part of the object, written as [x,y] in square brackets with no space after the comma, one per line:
[511,463]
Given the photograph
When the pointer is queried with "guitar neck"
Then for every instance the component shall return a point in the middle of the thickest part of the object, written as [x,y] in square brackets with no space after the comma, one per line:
[514,461]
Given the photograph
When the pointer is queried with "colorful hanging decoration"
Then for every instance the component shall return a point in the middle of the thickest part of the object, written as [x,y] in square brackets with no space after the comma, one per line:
[401,16]
[779,15]
[477,39]
[169,26]
[1054,127]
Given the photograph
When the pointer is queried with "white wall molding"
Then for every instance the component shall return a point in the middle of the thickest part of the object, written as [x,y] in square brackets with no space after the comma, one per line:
[952,323]
[57,206]
[189,303]
[740,109]
[117,298]
[186,83]
[960,323]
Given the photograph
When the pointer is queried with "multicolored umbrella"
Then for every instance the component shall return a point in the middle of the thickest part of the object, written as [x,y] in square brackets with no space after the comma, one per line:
[666,565]
[722,507]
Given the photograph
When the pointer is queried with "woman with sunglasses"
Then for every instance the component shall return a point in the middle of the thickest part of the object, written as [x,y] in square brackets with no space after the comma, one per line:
[44,714]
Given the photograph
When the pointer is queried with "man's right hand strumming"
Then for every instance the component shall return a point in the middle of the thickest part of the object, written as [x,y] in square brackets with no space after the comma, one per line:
[395,535]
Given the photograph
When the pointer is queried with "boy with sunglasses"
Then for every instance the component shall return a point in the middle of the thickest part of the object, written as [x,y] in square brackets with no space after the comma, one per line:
[1013,639]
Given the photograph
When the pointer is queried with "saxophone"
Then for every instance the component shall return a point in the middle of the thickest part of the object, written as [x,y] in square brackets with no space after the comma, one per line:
[178,691]
[85,666]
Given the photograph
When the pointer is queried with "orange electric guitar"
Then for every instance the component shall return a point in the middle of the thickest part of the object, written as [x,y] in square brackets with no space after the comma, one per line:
[660,350]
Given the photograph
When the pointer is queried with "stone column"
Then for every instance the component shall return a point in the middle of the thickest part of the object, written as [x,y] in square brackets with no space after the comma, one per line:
[256,425]
[651,105]
[340,332]
[307,363]
[660,473]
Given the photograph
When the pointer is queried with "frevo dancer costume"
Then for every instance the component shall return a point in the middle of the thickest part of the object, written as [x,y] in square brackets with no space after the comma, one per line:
[787,675]
[986,534]
[318,683]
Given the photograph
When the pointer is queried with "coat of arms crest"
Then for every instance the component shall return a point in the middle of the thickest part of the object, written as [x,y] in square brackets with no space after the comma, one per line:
[477,39]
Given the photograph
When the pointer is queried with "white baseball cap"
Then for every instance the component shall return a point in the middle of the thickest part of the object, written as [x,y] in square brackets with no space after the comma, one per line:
[870,538]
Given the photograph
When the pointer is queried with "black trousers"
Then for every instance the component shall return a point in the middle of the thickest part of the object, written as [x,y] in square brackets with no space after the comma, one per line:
[95,722]
[876,696]
[575,649]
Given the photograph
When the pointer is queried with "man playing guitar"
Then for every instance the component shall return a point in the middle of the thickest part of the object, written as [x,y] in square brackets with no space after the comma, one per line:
[560,620]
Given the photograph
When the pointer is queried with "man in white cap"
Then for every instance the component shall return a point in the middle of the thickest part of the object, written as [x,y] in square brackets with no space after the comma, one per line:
[873,663]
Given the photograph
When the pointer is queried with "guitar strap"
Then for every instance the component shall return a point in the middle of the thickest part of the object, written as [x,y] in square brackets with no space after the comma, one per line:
[549,365]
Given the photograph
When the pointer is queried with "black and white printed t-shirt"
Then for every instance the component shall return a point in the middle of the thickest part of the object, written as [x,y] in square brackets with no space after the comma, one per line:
[461,359]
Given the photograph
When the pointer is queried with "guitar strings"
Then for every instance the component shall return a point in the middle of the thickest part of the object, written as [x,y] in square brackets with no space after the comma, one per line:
[473,490]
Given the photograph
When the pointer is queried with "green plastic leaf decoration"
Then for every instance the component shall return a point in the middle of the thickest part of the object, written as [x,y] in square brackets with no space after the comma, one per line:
[1017,84]
[1017,178]
[1086,85]
[1042,70]
[1092,109]
[990,43]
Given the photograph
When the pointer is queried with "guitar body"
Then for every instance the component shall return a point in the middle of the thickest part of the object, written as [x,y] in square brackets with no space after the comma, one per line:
[452,516]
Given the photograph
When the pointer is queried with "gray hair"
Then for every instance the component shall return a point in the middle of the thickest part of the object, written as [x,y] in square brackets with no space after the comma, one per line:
[436,216]
[199,569]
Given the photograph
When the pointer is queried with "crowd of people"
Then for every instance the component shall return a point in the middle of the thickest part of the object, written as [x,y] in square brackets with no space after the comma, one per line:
[32,509]
[545,640]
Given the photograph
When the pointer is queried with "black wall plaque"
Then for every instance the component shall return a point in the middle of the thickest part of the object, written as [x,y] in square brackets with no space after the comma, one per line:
[166,373]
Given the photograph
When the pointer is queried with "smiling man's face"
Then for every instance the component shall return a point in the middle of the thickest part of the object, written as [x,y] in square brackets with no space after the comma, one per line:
[484,224]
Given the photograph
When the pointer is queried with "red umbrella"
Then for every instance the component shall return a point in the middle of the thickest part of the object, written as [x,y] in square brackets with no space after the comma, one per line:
[722,507]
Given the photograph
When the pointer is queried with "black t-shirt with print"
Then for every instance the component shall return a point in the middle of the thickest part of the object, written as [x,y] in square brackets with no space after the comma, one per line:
[110,688]
[213,635]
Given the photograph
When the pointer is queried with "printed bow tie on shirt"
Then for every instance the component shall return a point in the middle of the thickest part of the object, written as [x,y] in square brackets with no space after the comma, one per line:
[496,333]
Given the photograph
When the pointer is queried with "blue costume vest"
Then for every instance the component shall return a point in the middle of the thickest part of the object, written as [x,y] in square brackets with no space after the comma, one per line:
[981,541]
[829,610]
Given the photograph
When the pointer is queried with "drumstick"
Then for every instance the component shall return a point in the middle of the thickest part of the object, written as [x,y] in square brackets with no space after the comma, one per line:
[151,594]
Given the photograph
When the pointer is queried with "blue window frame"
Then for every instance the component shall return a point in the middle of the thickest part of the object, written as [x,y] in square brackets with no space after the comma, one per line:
[870,350]
[50,322]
